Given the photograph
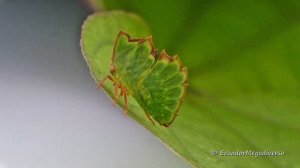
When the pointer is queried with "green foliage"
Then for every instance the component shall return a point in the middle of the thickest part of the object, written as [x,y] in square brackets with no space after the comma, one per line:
[244,64]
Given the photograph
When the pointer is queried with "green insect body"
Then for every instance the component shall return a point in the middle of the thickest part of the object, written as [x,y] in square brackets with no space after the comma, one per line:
[156,81]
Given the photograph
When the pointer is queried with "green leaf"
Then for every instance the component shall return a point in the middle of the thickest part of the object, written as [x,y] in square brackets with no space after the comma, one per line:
[244,63]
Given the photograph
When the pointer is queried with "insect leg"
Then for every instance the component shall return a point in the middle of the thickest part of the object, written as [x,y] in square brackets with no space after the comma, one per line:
[116,94]
[149,117]
[100,84]
[125,99]
[122,92]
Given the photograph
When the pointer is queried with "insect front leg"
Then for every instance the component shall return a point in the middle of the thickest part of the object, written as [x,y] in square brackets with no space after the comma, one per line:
[117,86]
[101,83]
[125,100]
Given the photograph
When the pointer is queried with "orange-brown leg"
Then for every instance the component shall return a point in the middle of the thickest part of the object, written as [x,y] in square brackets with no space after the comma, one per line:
[116,94]
[100,84]
[124,90]
[149,117]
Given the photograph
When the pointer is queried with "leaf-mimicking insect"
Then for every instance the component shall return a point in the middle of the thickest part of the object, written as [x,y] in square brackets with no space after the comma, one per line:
[156,81]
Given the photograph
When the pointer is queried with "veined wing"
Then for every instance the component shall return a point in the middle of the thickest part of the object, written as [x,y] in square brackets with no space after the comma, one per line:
[132,58]
[158,83]
[162,90]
